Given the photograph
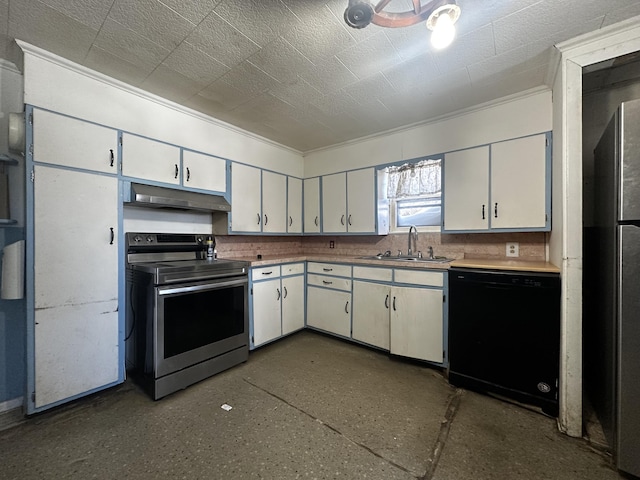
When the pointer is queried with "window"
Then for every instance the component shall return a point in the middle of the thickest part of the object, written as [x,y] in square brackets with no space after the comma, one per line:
[414,193]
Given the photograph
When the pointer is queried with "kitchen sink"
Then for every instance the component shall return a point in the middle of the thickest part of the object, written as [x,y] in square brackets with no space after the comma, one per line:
[407,258]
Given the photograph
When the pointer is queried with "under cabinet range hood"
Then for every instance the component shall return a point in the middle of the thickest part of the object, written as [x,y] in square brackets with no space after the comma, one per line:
[141,195]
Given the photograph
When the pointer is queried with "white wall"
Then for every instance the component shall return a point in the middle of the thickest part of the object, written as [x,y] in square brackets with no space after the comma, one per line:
[11,100]
[526,114]
[57,84]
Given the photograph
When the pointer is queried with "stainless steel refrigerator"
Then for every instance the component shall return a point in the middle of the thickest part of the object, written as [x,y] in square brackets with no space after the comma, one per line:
[612,319]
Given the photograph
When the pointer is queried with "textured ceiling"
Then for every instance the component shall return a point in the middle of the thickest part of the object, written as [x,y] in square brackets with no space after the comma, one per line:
[293,71]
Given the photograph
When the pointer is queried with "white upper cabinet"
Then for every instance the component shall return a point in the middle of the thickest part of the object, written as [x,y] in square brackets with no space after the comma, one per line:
[334,203]
[204,172]
[361,201]
[518,183]
[246,195]
[348,202]
[312,205]
[498,187]
[150,160]
[466,180]
[274,202]
[74,143]
[294,205]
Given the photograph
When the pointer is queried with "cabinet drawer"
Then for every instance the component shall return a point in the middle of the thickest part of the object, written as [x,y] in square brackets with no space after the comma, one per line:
[370,273]
[329,269]
[293,269]
[264,273]
[429,279]
[329,282]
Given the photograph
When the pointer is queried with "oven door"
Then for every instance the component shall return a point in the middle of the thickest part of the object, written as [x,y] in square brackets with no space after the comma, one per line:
[194,322]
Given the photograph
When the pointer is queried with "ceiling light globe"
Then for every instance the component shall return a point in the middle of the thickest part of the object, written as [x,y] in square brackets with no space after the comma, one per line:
[444,32]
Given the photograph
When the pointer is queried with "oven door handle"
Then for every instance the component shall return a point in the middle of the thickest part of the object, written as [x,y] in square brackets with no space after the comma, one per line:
[198,288]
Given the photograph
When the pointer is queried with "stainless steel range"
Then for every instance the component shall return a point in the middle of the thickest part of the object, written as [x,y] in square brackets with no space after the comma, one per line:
[187,315]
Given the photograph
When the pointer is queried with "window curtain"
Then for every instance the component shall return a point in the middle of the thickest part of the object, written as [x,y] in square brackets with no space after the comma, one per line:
[412,179]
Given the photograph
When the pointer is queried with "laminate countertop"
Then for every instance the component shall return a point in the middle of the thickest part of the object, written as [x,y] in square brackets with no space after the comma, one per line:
[485,263]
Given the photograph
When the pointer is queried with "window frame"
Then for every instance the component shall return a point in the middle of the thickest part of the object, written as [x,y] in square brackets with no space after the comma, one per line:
[392,202]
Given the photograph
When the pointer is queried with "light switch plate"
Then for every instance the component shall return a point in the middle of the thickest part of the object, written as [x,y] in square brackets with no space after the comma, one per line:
[513,249]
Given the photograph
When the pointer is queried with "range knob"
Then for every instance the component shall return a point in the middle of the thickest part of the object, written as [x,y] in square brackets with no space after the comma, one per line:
[137,239]
[149,239]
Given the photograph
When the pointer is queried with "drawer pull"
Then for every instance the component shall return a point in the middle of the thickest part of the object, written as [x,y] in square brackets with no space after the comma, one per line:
[290,220]
[284,289]
[188,174]
[495,211]
[483,212]
[258,219]
[176,171]
[267,273]
[327,282]
[394,304]
[328,269]
[316,221]
[111,164]
[278,290]
[346,307]
[342,220]
[386,301]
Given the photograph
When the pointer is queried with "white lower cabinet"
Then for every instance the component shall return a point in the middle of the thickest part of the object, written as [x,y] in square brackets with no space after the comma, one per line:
[329,310]
[416,323]
[405,317]
[292,304]
[371,313]
[277,302]
[267,322]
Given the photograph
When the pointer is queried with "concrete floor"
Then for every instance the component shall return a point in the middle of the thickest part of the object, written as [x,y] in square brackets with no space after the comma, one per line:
[308,406]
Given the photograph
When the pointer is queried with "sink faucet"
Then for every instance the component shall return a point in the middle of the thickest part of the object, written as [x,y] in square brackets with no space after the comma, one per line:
[430,252]
[413,229]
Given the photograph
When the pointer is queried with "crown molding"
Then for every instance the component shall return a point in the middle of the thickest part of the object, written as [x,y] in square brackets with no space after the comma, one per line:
[100,77]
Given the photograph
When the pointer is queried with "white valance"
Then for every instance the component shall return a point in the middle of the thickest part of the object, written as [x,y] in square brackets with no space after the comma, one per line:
[412,179]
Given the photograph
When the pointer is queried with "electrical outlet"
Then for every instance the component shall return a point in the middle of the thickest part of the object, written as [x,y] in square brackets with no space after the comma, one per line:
[513,249]
[332,244]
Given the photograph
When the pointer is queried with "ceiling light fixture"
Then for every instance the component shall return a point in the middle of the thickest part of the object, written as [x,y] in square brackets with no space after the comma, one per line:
[441,23]
[441,15]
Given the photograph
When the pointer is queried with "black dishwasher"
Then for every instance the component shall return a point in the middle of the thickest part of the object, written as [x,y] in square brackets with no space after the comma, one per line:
[504,334]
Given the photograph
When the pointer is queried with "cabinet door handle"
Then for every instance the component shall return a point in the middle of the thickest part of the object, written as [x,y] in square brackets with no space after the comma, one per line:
[483,212]
[267,273]
[386,301]
[342,220]
[346,307]
[495,211]
[327,282]
[349,220]
[284,289]
[278,290]
[188,174]
[327,269]
[394,304]
[316,220]
[258,219]
[176,171]
[113,236]
[266,219]
[112,158]
[290,220]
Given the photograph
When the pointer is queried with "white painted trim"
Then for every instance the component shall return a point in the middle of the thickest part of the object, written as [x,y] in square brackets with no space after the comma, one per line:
[74,67]
[448,116]
[601,45]
[11,404]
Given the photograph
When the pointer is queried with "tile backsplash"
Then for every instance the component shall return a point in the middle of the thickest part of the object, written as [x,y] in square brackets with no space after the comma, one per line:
[476,245]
